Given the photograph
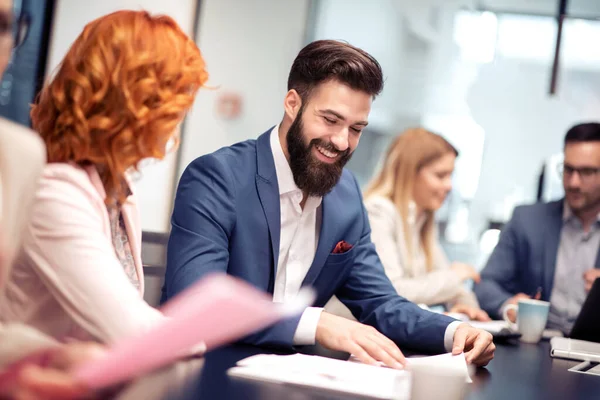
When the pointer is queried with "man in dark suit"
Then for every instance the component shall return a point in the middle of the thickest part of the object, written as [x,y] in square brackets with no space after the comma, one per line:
[281,212]
[551,250]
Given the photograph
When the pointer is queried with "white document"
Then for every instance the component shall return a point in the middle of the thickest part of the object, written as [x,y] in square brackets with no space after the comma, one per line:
[341,376]
[443,361]
[493,327]
[326,373]
[574,349]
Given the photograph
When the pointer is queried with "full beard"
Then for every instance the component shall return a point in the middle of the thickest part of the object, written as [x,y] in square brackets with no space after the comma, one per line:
[311,175]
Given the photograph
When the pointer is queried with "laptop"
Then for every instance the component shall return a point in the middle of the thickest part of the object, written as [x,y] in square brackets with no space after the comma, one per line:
[587,324]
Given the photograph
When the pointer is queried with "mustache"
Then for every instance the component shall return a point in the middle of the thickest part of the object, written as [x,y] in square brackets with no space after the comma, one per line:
[329,147]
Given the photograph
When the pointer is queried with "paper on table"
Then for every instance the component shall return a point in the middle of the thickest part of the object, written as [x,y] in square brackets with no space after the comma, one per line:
[325,373]
[445,361]
[216,310]
[493,327]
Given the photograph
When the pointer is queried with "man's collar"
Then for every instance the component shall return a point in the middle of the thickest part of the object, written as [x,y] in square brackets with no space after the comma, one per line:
[285,177]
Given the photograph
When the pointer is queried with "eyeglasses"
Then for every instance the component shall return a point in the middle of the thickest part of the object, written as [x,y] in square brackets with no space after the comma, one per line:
[586,174]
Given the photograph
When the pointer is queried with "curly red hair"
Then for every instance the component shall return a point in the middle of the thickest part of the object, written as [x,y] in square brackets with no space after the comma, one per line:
[119,94]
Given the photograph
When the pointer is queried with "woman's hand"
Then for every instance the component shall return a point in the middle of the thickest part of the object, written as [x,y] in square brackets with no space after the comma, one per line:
[474,314]
[465,272]
[47,374]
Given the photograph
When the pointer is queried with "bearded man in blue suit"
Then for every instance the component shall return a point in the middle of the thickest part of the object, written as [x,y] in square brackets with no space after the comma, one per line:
[281,212]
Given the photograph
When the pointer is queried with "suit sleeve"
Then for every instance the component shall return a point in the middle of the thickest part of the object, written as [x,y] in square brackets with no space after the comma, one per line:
[77,264]
[499,277]
[372,299]
[203,222]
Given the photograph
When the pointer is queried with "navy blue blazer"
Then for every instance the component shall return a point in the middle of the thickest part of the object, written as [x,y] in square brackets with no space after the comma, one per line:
[524,258]
[226,219]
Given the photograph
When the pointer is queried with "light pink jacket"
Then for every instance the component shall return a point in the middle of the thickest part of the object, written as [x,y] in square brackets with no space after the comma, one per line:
[68,282]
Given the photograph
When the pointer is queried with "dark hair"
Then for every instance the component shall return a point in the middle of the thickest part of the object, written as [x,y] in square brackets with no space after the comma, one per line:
[325,60]
[588,132]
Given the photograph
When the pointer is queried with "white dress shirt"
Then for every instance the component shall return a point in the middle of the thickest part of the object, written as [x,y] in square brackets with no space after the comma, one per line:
[299,236]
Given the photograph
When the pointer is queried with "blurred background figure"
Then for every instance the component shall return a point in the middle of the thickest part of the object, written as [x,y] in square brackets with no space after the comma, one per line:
[552,246]
[22,157]
[401,201]
[117,99]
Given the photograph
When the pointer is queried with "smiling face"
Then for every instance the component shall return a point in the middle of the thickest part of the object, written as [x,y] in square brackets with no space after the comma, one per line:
[324,133]
[433,183]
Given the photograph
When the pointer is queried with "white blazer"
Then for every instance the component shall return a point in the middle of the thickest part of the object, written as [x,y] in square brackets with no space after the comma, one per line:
[68,282]
[22,157]
[411,279]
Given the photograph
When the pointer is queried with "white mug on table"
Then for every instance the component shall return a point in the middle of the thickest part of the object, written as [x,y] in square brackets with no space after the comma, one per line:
[532,316]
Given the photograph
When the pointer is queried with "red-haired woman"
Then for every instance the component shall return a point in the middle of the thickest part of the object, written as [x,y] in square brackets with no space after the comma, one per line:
[116,99]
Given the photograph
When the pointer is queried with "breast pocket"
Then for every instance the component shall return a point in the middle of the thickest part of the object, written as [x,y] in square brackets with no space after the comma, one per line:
[339,258]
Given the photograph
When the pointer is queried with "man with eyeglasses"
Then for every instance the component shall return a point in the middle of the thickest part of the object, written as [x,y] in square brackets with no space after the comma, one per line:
[550,250]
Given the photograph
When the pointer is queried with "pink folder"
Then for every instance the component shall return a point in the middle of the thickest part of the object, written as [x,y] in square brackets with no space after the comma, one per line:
[216,310]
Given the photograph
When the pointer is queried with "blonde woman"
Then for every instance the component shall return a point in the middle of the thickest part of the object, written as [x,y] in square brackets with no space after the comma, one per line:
[401,202]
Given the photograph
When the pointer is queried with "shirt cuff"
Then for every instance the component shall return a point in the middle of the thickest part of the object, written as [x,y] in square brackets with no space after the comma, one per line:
[307,327]
[503,308]
[449,335]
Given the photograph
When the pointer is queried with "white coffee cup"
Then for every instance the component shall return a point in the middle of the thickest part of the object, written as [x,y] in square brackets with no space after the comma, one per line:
[437,383]
[532,316]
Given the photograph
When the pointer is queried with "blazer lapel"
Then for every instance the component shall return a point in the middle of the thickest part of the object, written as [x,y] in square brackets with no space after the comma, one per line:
[552,241]
[330,209]
[132,222]
[268,192]
[132,226]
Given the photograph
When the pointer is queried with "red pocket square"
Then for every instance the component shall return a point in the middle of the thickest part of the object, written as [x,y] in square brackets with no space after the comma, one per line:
[342,247]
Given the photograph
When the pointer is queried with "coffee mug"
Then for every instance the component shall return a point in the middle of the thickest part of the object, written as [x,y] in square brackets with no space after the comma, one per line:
[532,316]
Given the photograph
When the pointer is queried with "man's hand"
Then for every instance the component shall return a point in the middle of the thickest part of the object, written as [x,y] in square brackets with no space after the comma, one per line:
[474,313]
[590,276]
[512,314]
[365,342]
[477,345]
[53,379]
[465,272]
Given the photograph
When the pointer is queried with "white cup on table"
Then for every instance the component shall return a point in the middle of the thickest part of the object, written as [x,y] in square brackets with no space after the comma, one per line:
[532,316]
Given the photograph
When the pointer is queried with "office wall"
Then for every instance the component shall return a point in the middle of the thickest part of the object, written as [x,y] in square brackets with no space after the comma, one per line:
[154,184]
[249,47]
[497,111]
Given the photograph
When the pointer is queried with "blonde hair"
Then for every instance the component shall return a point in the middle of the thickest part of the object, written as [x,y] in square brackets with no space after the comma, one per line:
[412,150]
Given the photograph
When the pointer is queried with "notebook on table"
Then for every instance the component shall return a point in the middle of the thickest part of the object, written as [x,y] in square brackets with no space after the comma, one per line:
[573,349]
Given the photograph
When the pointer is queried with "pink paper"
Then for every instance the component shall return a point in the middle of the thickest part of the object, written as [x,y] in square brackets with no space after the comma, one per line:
[216,310]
